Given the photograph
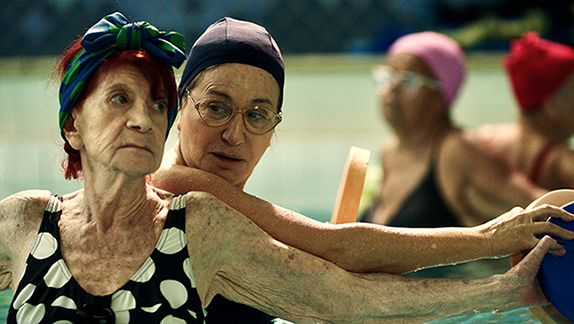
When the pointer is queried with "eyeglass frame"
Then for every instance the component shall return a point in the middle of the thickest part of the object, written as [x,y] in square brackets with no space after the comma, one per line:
[241,111]
[398,78]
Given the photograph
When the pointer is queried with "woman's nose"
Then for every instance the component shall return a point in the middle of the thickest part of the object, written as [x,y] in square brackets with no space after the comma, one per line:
[139,118]
[234,132]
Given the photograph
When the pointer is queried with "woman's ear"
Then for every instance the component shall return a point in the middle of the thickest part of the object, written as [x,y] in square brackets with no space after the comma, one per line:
[71,132]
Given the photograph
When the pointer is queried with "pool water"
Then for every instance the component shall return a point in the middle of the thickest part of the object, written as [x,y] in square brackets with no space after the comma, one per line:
[471,270]
[522,315]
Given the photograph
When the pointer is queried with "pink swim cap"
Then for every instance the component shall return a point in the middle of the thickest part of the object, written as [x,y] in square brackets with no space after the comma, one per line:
[442,55]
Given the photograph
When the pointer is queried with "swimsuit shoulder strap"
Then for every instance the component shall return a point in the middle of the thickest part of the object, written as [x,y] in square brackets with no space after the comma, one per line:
[540,162]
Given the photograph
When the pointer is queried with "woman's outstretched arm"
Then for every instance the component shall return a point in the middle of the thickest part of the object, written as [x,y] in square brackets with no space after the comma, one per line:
[363,247]
[233,257]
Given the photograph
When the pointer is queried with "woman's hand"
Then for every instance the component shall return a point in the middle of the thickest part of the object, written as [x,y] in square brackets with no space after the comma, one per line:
[519,229]
[523,288]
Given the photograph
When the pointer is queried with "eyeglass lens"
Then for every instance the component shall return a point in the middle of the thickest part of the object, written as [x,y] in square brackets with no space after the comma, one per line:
[258,120]
[409,80]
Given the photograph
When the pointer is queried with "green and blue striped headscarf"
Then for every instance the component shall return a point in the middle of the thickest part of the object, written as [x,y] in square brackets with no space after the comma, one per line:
[113,33]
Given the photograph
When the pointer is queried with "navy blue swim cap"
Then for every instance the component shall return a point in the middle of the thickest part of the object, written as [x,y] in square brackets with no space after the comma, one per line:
[234,41]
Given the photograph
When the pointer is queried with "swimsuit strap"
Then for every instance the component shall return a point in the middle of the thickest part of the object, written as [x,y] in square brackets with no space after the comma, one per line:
[540,161]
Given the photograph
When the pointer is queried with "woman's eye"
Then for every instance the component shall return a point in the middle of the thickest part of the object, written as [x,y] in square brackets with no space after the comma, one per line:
[119,99]
[411,80]
[257,114]
[217,108]
[160,106]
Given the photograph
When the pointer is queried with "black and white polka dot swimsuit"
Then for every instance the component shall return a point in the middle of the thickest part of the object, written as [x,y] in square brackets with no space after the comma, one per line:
[162,291]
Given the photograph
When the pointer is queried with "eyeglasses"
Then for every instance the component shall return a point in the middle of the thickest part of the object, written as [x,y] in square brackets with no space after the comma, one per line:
[411,82]
[258,120]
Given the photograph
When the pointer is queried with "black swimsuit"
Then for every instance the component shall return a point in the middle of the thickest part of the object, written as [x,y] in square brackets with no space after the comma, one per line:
[425,207]
[162,291]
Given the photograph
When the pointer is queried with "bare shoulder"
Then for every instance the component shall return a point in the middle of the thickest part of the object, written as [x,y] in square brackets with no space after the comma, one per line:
[21,215]
[462,157]
[20,218]
[209,217]
[487,131]
[459,145]
[204,208]
[24,205]
[464,144]
[494,131]
[499,137]
[216,233]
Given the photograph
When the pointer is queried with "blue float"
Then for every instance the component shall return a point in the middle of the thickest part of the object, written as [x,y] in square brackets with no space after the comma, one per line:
[556,275]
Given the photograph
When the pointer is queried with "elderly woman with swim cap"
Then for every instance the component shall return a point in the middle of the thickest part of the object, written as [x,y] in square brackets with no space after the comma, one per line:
[433,175]
[233,77]
[541,73]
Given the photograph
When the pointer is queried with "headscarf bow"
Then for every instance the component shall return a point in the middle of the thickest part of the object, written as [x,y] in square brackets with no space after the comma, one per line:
[112,33]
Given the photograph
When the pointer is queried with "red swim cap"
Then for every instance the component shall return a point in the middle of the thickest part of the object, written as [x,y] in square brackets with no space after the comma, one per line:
[537,68]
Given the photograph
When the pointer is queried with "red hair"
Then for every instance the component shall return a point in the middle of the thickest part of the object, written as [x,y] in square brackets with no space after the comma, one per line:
[158,75]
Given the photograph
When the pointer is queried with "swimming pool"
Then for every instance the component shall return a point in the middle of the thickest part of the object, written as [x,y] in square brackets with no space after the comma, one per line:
[330,106]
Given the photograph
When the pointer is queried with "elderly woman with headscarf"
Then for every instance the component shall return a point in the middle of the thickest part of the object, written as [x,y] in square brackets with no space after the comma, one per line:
[122,251]
[433,175]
